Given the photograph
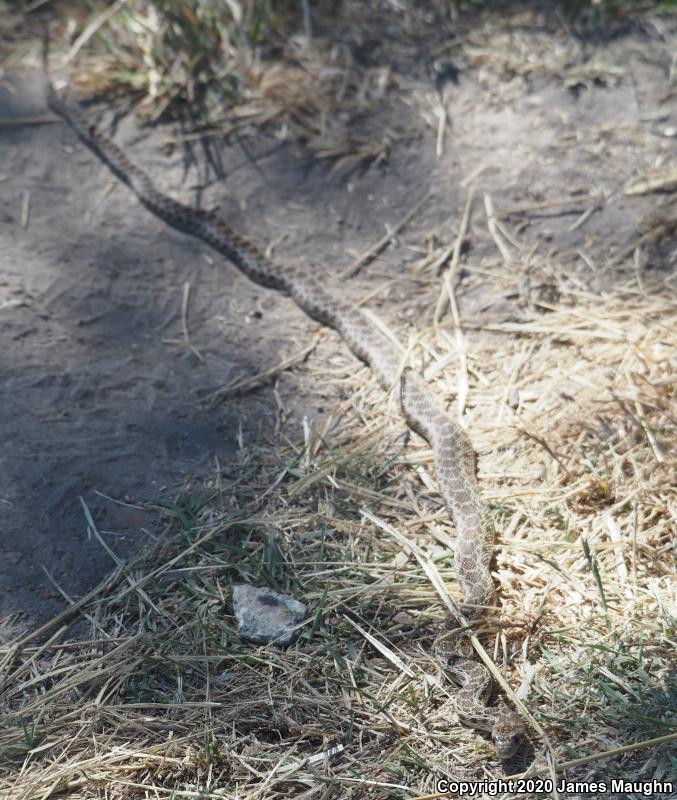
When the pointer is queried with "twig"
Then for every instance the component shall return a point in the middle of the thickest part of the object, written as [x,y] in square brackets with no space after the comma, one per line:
[36,119]
[473,175]
[244,385]
[25,209]
[94,26]
[493,230]
[441,129]
[184,322]
[645,425]
[585,216]
[525,208]
[658,231]
[540,440]
[647,185]
[579,762]
[454,250]
[375,249]
[94,531]
[394,659]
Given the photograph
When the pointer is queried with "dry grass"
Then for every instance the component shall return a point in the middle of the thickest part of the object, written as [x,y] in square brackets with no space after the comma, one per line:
[314,72]
[572,412]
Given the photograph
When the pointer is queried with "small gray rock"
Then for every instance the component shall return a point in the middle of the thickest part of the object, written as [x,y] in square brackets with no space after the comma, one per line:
[265,616]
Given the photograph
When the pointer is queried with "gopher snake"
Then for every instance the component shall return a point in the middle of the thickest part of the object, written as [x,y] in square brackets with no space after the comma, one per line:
[454,455]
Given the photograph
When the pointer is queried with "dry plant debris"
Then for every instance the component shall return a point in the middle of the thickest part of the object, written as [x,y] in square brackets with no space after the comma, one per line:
[571,407]
[572,410]
[313,72]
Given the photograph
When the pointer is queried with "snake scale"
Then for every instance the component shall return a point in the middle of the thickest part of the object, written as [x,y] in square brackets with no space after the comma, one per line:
[453,452]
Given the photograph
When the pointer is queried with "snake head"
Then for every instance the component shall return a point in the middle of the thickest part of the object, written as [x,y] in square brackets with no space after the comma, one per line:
[508,733]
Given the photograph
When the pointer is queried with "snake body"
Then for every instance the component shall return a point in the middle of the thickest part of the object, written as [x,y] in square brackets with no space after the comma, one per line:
[453,452]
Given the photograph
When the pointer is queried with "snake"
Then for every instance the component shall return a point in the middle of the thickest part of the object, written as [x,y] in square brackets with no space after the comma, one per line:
[454,456]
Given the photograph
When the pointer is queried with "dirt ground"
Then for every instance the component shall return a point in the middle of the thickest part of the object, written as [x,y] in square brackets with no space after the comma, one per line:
[101,397]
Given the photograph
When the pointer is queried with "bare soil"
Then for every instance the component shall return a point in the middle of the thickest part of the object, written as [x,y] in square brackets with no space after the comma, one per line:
[101,397]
